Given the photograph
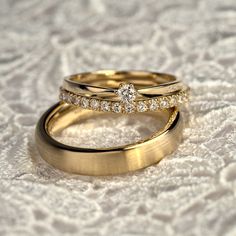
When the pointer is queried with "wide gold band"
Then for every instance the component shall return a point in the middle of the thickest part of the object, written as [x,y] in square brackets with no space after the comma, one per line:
[123,91]
[104,161]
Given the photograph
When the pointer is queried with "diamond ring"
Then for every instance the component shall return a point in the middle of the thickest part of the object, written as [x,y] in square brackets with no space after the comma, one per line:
[123,91]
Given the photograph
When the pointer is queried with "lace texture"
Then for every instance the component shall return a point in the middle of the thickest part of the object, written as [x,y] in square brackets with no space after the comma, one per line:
[192,192]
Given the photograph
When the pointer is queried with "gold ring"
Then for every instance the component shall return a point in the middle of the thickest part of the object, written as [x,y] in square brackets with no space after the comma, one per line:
[104,161]
[124,91]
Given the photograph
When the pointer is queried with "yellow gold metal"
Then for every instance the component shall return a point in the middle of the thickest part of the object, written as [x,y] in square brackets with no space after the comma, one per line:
[104,83]
[104,161]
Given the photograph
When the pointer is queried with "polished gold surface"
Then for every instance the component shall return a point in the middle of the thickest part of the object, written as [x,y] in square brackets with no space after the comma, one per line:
[104,161]
[104,83]
[116,106]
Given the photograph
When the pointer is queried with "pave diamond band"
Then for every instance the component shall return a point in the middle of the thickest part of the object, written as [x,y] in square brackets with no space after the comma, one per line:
[153,104]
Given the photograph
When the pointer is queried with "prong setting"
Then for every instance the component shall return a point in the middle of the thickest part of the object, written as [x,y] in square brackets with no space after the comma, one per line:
[127,93]
[153,104]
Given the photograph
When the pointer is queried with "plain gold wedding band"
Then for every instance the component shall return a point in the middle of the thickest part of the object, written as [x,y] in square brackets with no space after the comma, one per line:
[103,83]
[105,161]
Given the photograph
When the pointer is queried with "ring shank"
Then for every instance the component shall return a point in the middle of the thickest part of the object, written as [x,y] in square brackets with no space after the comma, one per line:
[104,161]
[104,83]
[113,78]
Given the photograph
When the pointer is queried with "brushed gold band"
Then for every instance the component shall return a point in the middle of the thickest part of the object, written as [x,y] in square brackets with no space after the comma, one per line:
[106,161]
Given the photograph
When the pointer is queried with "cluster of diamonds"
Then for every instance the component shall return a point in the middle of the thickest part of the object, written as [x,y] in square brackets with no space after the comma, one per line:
[127,102]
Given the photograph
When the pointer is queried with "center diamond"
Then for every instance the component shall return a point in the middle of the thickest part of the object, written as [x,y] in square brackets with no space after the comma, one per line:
[127,93]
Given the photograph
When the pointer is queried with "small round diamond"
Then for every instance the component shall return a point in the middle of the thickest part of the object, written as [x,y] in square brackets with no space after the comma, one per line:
[116,107]
[105,106]
[76,100]
[94,103]
[84,102]
[62,95]
[153,105]
[69,98]
[173,101]
[180,99]
[142,107]
[164,103]
[73,99]
[127,93]
[129,108]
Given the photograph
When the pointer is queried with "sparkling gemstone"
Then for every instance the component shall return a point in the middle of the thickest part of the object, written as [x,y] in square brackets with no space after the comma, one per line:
[153,105]
[116,107]
[84,102]
[105,106]
[69,98]
[180,99]
[127,93]
[64,96]
[164,103]
[173,101]
[76,100]
[129,108]
[94,103]
[142,107]
[72,99]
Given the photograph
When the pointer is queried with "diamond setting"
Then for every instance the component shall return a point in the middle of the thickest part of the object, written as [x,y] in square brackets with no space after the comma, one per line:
[116,107]
[84,102]
[172,101]
[153,106]
[105,106]
[69,99]
[94,103]
[164,103]
[127,93]
[76,100]
[142,107]
[130,106]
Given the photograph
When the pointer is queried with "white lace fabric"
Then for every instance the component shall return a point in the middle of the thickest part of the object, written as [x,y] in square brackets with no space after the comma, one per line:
[192,192]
